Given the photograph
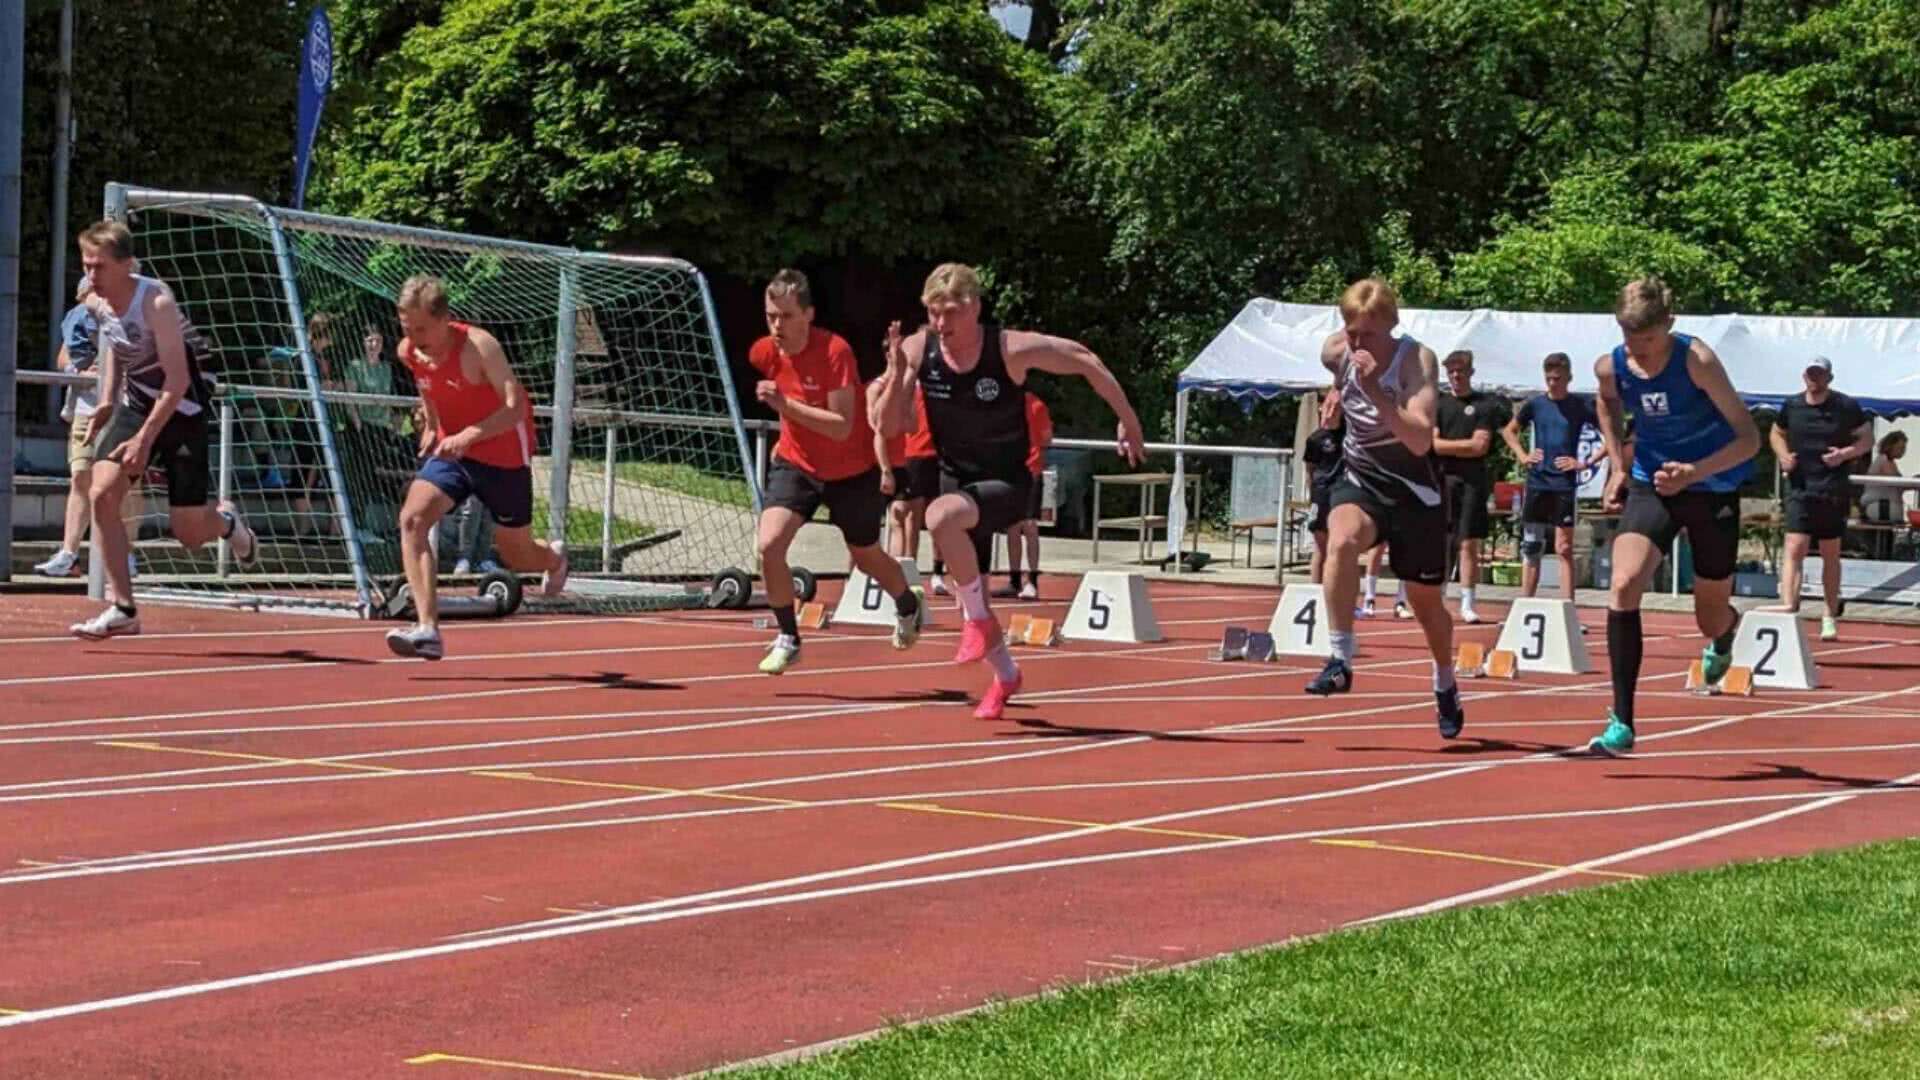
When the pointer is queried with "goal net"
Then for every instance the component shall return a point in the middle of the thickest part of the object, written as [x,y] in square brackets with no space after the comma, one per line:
[641,460]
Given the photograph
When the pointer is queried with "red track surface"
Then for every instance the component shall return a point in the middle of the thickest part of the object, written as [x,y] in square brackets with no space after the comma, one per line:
[246,846]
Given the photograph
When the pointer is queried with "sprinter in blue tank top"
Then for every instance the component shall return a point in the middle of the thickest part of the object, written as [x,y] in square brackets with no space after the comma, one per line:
[1693,445]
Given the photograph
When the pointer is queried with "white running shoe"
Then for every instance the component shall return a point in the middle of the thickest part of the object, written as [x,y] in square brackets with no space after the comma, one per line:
[463,567]
[416,642]
[63,564]
[784,652]
[1829,628]
[906,628]
[1029,591]
[939,585]
[110,623]
[242,541]
[488,566]
[1402,611]
[555,579]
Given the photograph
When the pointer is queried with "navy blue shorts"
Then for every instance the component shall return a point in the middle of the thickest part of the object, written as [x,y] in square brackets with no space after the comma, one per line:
[506,493]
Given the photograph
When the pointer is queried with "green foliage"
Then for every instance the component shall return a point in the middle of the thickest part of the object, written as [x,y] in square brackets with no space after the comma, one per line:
[744,135]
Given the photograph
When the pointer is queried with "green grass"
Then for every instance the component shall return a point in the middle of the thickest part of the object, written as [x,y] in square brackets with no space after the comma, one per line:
[1797,968]
[584,525]
[685,479]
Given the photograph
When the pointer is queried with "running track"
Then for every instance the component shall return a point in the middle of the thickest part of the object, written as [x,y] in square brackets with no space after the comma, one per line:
[248,846]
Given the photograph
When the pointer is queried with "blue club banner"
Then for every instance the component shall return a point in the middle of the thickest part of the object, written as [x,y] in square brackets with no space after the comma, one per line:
[316,77]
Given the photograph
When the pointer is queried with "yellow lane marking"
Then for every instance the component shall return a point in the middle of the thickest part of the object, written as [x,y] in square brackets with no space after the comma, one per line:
[914,807]
[994,815]
[551,1070]
[1375,845]
[267,758]
[13,1012]
[648,788]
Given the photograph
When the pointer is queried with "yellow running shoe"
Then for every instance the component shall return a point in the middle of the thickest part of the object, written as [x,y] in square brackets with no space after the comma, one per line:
[784,654]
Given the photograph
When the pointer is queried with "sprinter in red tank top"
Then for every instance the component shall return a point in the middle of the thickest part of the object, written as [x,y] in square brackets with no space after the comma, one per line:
[477,442]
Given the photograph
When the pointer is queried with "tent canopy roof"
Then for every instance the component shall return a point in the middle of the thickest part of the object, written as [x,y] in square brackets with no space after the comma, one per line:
[1273,348]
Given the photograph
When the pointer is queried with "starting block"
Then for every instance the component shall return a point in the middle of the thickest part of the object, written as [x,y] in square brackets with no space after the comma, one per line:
[811,616]
[864,603]
[1027,630]
[1738,680]
[1470,659]
[1111,606]
[1503,664]
[1240,643]
[1544,636]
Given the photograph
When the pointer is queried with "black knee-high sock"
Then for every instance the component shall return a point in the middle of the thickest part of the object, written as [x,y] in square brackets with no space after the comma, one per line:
[784,616]
[1724,643]
[1624,649]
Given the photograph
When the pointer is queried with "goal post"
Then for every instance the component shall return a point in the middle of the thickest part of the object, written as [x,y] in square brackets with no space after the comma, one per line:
[641,460]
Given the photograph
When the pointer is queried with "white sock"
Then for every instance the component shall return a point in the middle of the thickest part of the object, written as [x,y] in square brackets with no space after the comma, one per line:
[1343,644]
[1466,598]
[1400,593]
[1000,659]
[973,597]
[1373,587]
[1442,678]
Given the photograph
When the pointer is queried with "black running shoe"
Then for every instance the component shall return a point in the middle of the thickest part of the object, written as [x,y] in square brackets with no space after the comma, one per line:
[1335,678]
[1452,717]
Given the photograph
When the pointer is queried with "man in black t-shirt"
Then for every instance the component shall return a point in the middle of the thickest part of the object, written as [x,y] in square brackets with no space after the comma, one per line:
[1819,432]
[1463,438]
[1323,458]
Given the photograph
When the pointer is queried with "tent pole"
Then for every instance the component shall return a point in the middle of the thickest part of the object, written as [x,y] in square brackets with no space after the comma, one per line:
[1177,500]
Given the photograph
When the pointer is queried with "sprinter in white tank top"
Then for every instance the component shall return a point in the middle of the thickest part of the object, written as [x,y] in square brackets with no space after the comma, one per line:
[1391,489]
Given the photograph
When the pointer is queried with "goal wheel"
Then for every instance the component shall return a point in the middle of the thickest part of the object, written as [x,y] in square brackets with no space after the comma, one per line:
[730,588]
[804,584]
[503,589]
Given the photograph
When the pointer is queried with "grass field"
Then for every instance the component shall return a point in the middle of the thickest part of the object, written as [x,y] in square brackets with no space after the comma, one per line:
[681,479]
[1807,967]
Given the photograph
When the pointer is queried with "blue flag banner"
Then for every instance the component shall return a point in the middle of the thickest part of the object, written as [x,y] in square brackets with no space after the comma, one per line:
[316,76]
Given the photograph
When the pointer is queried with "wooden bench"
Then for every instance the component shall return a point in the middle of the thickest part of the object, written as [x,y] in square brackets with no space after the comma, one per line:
[1246,527]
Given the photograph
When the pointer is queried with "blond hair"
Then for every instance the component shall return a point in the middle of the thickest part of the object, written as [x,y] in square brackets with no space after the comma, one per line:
[1370,296]
[110,236]
[423,292]
[791,283]
[951,281]
[1643,304]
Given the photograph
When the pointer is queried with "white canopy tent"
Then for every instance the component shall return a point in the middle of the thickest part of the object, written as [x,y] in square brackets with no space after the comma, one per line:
[1273,348]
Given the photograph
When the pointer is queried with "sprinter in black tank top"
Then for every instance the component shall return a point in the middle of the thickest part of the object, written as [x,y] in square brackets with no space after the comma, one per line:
[970,378]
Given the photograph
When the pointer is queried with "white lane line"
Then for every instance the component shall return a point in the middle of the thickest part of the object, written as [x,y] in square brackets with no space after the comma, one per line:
[174,993]
[1716,832]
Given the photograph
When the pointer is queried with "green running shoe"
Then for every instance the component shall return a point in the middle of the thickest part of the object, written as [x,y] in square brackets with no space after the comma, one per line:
[1616,741]
[1714,664]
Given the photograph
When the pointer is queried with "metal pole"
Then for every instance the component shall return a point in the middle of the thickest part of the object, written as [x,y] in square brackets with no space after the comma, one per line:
[566,341]
[1282,536]
[226,477]
[760,456]
[336,477]
[62,152]
[116,209]
[13,73]
[1177,498]
[725,369]
[606,507]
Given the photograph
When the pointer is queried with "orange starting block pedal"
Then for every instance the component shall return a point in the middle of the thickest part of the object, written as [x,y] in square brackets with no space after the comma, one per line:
[1503,664]
[1738,680]
[811,616]
[1027,630]
[1471,659]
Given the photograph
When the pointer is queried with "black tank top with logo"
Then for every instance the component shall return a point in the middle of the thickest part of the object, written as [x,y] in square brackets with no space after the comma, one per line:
[979,418]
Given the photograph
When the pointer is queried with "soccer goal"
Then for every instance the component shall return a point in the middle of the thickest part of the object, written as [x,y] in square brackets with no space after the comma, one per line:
[641,465]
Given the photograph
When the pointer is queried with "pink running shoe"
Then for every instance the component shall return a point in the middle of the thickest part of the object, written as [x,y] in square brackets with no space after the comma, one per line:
[994,702]
[976,637]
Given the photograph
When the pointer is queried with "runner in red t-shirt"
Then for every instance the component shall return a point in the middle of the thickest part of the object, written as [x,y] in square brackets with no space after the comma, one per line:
[1039,436]
[477,441]
[916,478]
[825,455]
